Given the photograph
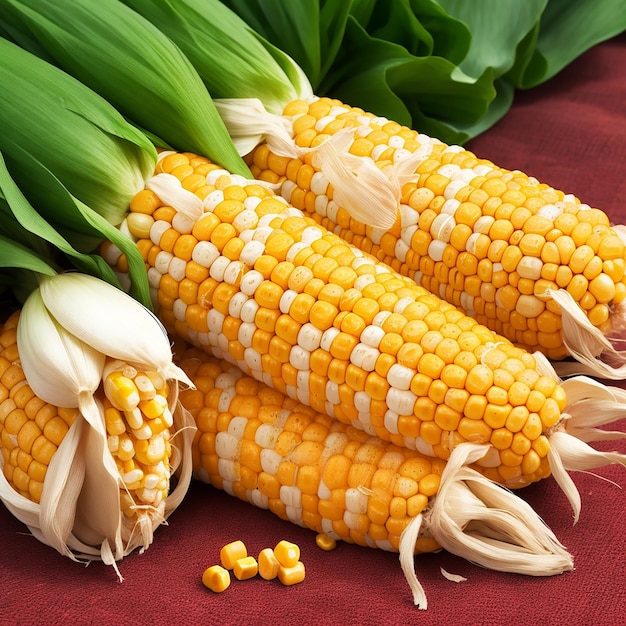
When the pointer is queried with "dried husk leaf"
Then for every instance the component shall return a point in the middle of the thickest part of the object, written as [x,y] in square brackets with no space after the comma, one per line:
[481,521]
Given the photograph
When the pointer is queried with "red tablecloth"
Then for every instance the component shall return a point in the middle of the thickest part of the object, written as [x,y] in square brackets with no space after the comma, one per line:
[570,133]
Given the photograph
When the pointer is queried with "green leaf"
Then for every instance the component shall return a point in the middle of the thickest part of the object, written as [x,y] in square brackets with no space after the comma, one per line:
[231,58]
[13,230]
[16,256]
[451,38]
[127,60]
[497,27]
[59,211]
[79,136]
[292,26]
[498,108]
[567,29]
[309,31]
[427,93]
[32,221]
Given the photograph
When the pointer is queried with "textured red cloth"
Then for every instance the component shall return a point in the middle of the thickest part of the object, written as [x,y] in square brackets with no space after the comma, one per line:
[570,133]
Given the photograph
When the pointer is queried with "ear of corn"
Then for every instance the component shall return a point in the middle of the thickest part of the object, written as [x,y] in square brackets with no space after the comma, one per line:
[129,62]
[530,262]
[241,273]
[87,438]
[278,454]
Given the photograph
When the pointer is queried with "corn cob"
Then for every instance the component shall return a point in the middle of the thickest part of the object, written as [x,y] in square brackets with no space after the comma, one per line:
[34,435]
[528,261]
[238,271]
[276,453]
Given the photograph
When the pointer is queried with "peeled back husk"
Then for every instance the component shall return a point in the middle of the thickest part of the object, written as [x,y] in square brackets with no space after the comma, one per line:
[80,512]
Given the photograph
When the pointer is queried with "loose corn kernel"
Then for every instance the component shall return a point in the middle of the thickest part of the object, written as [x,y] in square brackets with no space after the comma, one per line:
[216,578]
[287,553]
[231,552]
[291,575]
[268,564]
[245,568]
[325,542]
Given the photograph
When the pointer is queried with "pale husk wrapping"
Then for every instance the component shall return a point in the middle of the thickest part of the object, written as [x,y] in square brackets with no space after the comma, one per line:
[478,520]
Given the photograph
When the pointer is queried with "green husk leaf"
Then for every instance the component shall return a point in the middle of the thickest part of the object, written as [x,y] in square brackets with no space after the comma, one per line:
[128,61]
[81,138]
[232,60]
[294,27]
[79,222]
[17,256]
[11,229]
[309,31]
[31,221]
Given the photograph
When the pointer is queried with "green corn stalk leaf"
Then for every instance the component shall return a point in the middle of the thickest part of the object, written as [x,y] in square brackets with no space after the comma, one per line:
[16,256]
[497,27]
[80,137]
[59,213]
[232,59]
[567,29]
[128,61]
[427,93]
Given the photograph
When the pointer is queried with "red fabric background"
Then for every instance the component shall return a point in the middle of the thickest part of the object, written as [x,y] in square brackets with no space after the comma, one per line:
[570,133]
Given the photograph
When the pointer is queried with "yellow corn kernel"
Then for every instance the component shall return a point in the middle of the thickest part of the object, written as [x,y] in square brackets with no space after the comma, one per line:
[121,391]
[216,578]
[291,575]
[245,567]
[231,552]
[325,542]
[268,564]
[287,553]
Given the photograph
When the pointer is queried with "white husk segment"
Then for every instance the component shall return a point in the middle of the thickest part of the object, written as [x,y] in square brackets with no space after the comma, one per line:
[66,372]
[368,193]
[455,578]
[173,194]
[594,353]
[57,365]
[483,522]
[589,404]
[408,539]
[250,124]
[111,321]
